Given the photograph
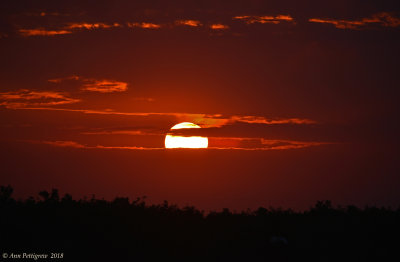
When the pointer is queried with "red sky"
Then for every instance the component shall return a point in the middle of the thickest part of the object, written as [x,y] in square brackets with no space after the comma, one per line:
[299,101]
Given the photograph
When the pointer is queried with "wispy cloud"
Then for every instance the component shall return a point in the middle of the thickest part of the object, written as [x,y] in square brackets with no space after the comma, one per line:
[27,98]
[94,85]
[381,19]
[252,19]
[105,86]
[43,32]
[74,144]
[59,80]
[262,145]
[144,25]
[64,29]
[91,26]
[267,121]
[74,27]
[205,120]
[192,23]
[289,144]
[63,144]
[219,27]
[117,132]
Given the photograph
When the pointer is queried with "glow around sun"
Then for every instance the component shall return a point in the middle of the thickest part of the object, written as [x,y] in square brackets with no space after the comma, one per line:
[173,141]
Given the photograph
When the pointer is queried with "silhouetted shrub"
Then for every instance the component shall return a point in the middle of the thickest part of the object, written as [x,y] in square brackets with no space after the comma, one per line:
[120,230]
[5,193]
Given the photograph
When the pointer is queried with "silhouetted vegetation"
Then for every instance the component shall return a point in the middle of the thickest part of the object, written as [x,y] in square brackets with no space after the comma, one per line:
[123,230]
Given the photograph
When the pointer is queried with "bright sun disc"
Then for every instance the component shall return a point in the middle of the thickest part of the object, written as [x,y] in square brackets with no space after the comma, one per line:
[172,141]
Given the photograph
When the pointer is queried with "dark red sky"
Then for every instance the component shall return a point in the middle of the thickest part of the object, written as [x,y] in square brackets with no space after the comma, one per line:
[299,100]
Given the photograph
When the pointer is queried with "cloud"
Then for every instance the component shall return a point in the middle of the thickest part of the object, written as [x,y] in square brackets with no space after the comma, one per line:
[105,86]
[74,27]
[74,144]
[381,19]
[261,144]
[252,19]
[94,85]
[245,143]
[68,29]
[117,132]
[219,120]
[263,120]
[64,144]
[192,23]
[91,26]
[144,25]
[25,98]
[289,144]
[59,80]
[205,120]
[128,147]
[219,27]
[43,32]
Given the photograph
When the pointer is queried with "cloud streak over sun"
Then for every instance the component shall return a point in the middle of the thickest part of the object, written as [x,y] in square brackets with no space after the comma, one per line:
[216,144]
[206,120]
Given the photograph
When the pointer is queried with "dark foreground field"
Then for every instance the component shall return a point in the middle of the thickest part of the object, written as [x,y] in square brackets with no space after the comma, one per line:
[123,230]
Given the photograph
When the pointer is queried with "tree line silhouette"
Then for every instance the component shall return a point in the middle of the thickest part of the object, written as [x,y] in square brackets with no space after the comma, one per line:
[123,230]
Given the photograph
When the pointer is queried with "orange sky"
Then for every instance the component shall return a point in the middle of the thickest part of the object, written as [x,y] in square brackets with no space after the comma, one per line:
[299,102]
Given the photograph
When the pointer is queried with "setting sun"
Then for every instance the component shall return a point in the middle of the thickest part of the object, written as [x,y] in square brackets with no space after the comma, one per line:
[173,141]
